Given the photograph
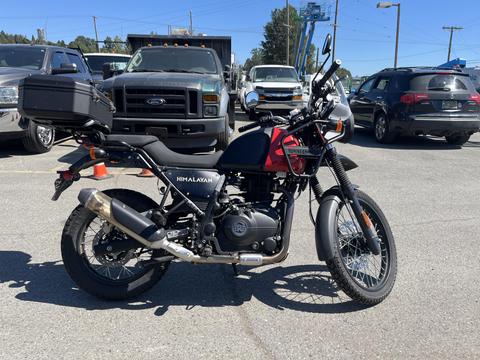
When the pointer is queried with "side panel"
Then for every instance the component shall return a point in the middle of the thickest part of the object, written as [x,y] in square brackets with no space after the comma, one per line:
[197,185]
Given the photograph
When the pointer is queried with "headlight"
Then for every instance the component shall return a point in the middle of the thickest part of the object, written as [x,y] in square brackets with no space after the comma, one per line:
[297,91]
[210,110]
[8,95]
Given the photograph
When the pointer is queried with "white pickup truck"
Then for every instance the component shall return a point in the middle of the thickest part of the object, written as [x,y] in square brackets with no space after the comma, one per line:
[279,88]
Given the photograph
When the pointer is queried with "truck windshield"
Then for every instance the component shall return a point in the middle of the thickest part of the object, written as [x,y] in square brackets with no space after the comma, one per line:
[96,62]
[173,60]
[275,74]
[22,57]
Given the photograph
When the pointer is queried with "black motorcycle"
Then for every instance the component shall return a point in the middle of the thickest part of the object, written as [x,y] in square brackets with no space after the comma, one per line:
[233,207]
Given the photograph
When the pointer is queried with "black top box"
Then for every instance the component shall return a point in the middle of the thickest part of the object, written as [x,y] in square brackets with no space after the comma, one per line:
[64,103]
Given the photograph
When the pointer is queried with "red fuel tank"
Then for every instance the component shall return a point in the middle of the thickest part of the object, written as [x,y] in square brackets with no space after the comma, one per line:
[276,160]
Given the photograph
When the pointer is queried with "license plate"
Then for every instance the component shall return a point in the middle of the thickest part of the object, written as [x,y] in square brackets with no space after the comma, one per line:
[449,105]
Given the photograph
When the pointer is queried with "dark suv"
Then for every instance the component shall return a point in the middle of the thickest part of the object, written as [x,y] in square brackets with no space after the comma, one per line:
[416,101]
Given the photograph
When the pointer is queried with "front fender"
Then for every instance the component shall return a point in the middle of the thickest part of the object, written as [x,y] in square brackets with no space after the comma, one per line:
[325,224]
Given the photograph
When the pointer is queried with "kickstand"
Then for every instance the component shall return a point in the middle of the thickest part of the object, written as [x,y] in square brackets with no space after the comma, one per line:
[235,269]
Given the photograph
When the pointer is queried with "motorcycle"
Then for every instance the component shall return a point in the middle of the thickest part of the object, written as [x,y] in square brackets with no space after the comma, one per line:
[232,207]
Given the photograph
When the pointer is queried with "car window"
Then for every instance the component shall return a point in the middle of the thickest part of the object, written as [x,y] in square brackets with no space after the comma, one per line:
[441,82]
[58,58]
[366,86]
[382,84]
[22,56]
[75,59]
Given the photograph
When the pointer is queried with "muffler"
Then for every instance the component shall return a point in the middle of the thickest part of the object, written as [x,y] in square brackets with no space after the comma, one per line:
[147,233]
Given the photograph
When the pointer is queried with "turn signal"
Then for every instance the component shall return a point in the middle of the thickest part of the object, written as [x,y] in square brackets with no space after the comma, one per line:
[339,126]
[210,98]
[297,97]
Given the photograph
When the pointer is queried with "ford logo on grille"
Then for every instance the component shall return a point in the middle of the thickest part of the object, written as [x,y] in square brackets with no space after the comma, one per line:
[155,101]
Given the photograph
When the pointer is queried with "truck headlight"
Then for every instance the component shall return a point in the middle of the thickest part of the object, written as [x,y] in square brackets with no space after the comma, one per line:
[210,110]
[297,91]
[8,95]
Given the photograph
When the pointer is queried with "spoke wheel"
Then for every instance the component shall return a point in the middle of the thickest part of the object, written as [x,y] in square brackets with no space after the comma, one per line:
[363,276]
[115,275]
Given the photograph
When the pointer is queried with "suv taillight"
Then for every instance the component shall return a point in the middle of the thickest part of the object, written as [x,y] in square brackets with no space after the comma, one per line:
[411,99]
[475,97]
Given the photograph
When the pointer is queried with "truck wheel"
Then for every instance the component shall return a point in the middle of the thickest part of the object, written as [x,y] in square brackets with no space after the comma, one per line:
[231,117]
[38,139]
[457,139]
[222,138]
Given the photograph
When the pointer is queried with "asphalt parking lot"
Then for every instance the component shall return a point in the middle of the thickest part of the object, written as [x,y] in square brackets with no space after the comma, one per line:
[429,190]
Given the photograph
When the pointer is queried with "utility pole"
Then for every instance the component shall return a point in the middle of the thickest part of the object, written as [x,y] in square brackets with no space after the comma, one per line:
[316,60]
[334,31]
[288,33]
[96,33]
[191,23]
[451,29]
[385,5]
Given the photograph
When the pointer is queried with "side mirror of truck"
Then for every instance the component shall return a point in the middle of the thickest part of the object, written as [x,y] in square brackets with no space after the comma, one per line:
[65,69]
[226,72]
[107,70]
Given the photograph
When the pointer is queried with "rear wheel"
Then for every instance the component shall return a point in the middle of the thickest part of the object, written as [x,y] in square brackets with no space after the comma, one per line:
[457,139]
[116,275]
[363,276]
[383,133]
[38,138]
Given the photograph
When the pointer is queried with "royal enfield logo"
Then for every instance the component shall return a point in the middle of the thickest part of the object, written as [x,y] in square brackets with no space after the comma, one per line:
[156,101]
[194,179]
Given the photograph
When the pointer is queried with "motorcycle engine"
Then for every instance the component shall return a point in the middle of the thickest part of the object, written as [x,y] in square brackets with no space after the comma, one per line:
[253,229]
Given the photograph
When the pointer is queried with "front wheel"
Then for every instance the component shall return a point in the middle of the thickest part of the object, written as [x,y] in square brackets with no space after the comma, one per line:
[365,277]
[38,138]
[116,275]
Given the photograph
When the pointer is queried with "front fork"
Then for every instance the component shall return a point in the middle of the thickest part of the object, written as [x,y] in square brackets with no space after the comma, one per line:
[372,239]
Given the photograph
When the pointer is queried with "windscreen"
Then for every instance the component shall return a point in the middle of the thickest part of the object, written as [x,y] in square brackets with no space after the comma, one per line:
[275,74]
[22,57]
[173,60]
[96,61]
[441,82]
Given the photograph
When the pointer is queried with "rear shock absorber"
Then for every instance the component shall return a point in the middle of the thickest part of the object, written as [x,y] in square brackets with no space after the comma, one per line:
[372,240]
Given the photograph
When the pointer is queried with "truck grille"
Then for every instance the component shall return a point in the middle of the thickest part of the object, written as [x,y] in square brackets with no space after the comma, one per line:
[157,102]
[278,94]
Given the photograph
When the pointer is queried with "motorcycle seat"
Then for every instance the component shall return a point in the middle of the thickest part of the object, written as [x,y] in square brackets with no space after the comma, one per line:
[163,156]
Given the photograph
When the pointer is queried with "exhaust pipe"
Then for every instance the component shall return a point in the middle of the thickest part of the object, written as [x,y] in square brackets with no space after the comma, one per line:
[147,233]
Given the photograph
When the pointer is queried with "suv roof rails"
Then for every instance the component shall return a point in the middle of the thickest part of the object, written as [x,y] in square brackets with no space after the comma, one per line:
[416,68]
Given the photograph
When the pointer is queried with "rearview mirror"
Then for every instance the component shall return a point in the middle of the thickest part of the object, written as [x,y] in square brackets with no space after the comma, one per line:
[327,45]
[65,69]
[108,70]
[251,99]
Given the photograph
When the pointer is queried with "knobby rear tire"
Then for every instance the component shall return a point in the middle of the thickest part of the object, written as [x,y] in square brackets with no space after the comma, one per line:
[78,267]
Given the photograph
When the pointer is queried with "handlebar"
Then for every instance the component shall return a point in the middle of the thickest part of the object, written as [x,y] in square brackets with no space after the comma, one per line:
[248,127]
[335,65]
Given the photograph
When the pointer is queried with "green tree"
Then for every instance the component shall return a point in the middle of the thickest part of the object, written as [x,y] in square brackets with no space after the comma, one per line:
[84,43]
[254,60]
[108,44]
[275,44]
[342,72]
